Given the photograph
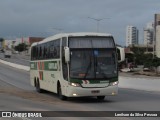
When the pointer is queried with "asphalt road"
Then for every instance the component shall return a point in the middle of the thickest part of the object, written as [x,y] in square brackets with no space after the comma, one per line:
[16,58]
[16,93]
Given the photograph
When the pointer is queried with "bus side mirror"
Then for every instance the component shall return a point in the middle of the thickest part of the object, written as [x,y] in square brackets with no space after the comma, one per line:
[67,54]
[121,54]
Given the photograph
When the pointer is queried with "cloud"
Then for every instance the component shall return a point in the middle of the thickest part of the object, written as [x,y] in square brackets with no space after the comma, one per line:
[37,17]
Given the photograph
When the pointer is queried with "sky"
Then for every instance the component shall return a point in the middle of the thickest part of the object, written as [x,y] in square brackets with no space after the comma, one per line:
[44,18]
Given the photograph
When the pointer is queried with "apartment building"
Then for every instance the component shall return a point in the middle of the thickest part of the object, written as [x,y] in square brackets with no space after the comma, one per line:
[148,33]
[131,35]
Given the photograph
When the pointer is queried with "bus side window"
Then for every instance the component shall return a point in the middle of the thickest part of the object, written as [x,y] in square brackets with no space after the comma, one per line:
[47,51]
[57,48]
[32,53]
[36,55]
[40,52]
[51,49]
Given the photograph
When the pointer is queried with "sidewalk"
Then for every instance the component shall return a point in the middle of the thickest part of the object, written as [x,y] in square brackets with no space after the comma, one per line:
[139,83]
[133,75]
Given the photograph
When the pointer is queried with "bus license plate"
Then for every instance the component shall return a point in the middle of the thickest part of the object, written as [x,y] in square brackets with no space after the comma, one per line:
[95,91]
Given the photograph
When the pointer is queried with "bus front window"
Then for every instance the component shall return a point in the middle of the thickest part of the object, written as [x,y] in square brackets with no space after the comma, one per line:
[93,63]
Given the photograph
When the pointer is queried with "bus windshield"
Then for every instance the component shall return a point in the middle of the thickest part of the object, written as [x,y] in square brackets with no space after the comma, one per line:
[91,42]
[93,63]
[92,57]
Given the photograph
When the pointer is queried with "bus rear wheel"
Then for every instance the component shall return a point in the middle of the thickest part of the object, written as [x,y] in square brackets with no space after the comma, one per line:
[100,97]
[62,97]
[38,89]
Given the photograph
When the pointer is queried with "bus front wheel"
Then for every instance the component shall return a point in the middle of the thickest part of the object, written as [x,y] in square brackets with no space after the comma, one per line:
[62,97]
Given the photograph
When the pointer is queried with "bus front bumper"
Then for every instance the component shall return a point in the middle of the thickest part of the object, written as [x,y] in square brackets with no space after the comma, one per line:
[82,92]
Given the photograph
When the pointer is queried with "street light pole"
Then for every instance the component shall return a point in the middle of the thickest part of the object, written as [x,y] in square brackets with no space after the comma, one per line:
[98,20]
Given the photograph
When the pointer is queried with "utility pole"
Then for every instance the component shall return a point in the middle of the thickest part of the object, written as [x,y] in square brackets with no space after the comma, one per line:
[98,20]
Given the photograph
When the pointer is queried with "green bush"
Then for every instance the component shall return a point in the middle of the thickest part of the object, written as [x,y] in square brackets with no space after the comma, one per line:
[21,47]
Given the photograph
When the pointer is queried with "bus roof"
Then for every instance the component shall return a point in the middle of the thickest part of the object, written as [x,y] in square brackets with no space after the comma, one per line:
[54,37]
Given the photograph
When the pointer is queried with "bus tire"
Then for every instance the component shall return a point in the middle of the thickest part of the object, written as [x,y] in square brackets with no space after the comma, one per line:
[100,97]
[38,89]
[59,91]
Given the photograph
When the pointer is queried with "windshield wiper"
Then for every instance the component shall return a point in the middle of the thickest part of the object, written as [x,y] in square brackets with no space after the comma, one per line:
[89,66]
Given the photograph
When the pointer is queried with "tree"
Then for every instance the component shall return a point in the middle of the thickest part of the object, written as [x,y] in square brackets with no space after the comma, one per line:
[21,47]
[139,56]
[156,63]
[1,39]
[129,57]
[148,58]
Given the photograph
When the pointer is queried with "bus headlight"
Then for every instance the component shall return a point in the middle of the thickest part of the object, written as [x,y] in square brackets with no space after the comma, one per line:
[114,83]
[75,84]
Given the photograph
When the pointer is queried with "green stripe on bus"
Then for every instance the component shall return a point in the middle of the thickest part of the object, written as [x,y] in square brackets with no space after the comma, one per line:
[44,65]
[94,81]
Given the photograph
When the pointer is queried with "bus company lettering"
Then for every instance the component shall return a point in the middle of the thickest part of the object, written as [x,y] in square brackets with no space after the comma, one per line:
[52,66]
[32,66]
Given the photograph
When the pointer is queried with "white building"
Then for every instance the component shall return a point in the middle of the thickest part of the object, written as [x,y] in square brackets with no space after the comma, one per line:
[158,41]
[148,33]
[131,35]
[9,43]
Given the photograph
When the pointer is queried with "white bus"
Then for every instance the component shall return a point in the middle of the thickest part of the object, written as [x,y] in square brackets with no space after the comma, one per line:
[75,65]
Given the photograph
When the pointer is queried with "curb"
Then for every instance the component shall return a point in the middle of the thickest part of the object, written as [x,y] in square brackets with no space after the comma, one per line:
[22,67]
